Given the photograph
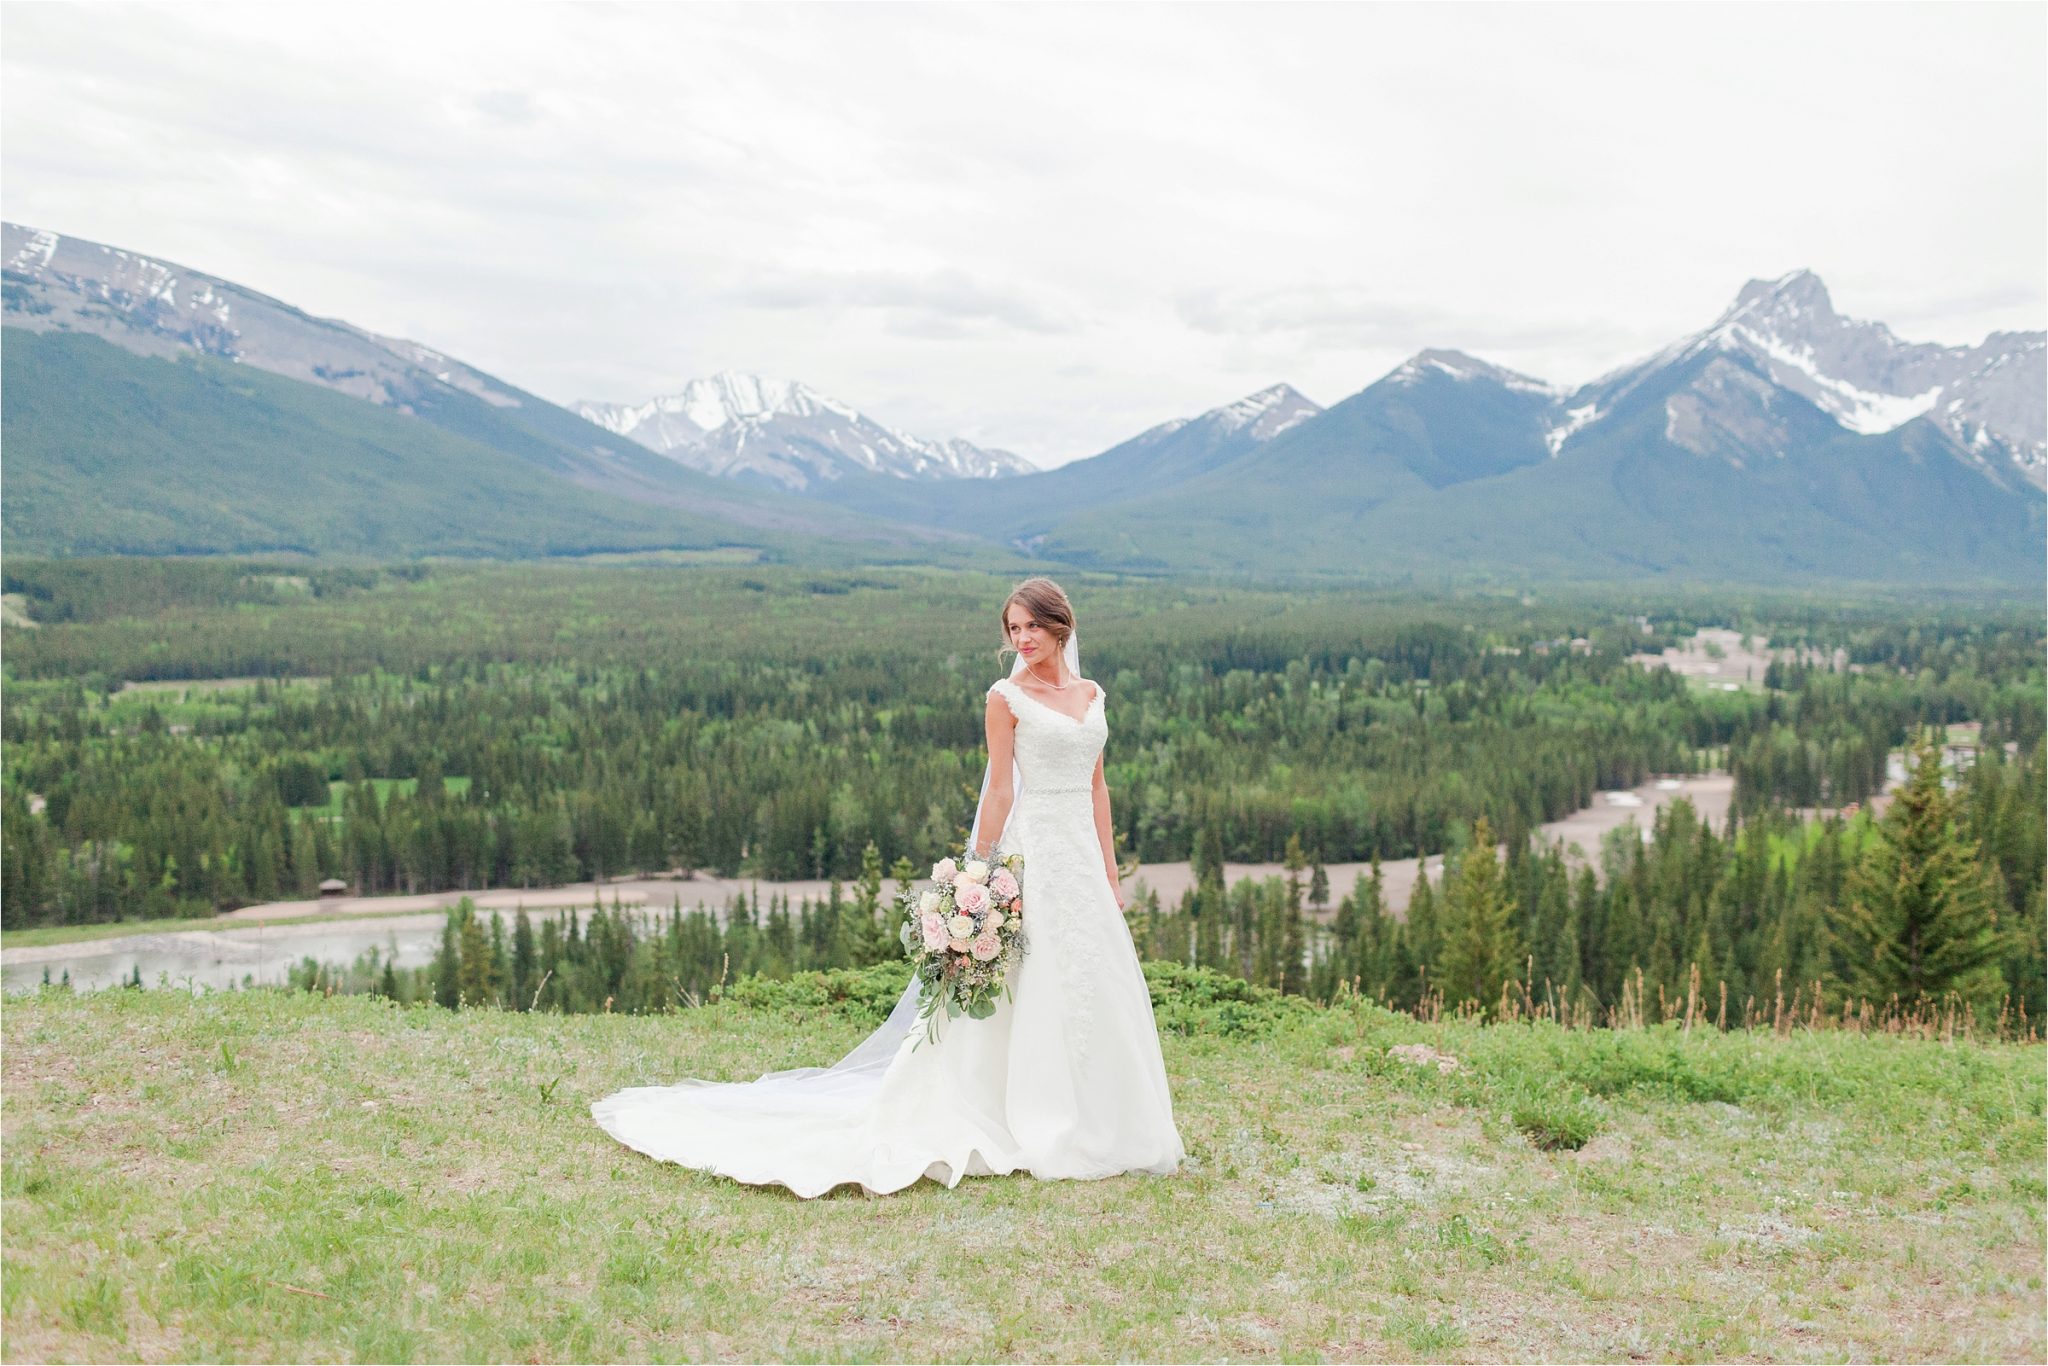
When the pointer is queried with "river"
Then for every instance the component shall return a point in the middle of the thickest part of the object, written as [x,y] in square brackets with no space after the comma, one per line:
[407,929]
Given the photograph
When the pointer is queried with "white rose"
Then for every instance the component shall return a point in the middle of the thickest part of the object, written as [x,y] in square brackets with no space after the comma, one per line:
[995,921]
[961,926]
[975,871]
[929,901]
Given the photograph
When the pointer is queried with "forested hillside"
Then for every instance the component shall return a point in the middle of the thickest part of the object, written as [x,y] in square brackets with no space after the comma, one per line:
[440,728]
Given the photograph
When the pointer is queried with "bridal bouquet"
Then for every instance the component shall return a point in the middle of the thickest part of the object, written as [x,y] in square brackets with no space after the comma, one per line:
[962,934]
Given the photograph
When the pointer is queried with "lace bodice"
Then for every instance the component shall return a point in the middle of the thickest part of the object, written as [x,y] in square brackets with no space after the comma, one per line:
[1055,752]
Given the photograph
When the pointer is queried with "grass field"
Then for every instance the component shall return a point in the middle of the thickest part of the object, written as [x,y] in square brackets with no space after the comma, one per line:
[284,1177]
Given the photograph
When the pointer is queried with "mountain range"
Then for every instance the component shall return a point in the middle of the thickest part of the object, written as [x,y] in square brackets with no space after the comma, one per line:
[153,409]
[781,434]
[1988,398]
[1782,442]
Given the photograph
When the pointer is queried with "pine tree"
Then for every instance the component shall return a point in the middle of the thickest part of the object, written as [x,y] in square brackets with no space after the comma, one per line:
[1270,934]
[447,991]
[1553,933]
[1206,861]
[476,975]
[903,871]
[2026,969]
[1244,929]
[1208,911]
[1918,918]
[1424,940]
[1569,960]
[1346,928]
[1293,975]
[524,978]
[867,899]
[867,884]
[1377,965]
[1482,945]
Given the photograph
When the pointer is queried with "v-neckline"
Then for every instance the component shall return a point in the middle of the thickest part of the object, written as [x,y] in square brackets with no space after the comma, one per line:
[1080,720]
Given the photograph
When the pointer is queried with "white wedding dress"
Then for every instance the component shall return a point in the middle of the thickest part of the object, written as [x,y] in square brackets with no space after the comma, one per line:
[1065,1080]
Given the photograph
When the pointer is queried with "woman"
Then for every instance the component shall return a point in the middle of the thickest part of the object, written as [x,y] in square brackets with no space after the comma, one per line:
[1064,1080]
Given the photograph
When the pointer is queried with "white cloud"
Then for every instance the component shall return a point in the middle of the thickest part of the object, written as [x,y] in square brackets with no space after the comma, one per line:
[1044,227]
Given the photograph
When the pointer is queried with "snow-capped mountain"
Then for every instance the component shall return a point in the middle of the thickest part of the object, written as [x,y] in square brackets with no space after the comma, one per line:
[1166,455]
[58,287]
[1264,415]
[1784,334]
[1251,421]
[779,432]
[68,284]
[1428,364]
[1781,443]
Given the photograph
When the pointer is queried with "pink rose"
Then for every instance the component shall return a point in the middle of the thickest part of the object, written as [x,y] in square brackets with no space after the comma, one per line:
[1003,884]
[934,932]
[944,871]
[970,898]
[961,945]
[986,945]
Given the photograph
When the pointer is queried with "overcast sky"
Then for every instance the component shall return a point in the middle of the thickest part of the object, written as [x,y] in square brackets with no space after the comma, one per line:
[1044,227]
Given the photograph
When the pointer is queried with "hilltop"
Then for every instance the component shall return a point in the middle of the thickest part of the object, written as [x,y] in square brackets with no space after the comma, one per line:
[285,1176]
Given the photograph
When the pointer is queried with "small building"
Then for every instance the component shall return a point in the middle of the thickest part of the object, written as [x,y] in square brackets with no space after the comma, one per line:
[334,886]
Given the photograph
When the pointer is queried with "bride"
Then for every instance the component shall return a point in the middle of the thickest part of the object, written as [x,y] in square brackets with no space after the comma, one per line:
[1064,1080]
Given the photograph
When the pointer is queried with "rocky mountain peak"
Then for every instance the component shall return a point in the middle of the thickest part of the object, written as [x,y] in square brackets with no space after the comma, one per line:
[1986,398]
[1793,313]
[779,432]
[1796,295]
[1267,413]
[1437,362]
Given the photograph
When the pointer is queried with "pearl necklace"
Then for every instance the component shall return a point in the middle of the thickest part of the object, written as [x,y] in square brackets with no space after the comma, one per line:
[1056,687]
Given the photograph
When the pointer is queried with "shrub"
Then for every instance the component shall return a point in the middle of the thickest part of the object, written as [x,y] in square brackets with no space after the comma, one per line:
[1560,1117]
[861,995]
[1189,1000]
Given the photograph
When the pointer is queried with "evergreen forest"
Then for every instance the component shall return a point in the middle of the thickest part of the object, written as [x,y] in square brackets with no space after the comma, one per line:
[187,737]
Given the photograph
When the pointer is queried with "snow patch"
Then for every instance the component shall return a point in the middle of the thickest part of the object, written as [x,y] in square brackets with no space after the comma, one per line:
[1859,410]
[1522,384]
[1574,419]
[1461,367]
[43,244]
[742,414]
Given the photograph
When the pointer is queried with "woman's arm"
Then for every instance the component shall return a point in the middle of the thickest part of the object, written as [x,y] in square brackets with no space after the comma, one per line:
[1000,723]
[1105,831]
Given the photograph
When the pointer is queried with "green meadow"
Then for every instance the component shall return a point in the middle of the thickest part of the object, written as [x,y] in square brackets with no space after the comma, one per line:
[287,1176]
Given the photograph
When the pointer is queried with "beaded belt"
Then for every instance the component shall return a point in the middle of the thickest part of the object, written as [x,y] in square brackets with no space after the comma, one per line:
[1030,791]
